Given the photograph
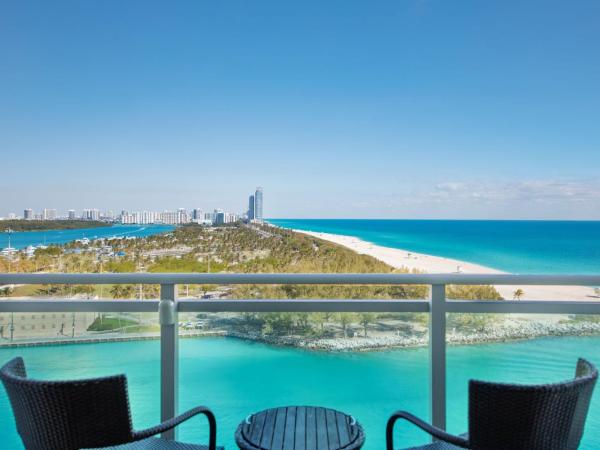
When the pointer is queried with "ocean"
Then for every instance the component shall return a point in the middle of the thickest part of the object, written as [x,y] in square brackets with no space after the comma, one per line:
[24,238]
[235,378]
[526,247]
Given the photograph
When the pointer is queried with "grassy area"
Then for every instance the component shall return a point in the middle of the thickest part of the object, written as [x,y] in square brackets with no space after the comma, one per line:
[121,324]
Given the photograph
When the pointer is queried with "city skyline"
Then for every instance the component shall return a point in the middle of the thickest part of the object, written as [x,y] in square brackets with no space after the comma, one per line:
[254,213]
[416,109]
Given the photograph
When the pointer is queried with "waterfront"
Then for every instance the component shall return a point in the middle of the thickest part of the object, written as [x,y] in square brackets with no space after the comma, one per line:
[236,377]
[553,247]
[23,239]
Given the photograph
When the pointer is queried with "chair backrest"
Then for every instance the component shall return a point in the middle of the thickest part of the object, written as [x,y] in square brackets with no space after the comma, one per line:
[521,417]
[65,415]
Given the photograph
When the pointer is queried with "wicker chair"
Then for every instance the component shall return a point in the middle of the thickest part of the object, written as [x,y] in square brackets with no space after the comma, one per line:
[517,417]
[83,414]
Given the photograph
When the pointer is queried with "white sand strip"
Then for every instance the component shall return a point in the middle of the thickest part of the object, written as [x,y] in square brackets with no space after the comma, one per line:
[399,258]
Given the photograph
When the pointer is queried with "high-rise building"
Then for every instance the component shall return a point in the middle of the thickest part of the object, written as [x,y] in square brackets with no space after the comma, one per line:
[182,216]
[28,214]
[71,214]
[251,208]
[91,214]
[170,217]
[49,214]
[219,217]
[197,214]
[209,217]
[258,204]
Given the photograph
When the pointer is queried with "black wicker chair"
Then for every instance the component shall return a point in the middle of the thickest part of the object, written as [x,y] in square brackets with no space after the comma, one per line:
[83,414]
[517,417]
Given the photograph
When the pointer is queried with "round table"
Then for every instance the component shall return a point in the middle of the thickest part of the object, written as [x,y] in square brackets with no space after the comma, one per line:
[299,428]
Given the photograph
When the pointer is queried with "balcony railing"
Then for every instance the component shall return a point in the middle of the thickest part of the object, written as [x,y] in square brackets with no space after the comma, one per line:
[168,306]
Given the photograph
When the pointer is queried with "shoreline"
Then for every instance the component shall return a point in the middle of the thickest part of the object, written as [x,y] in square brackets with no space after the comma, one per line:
[406,259]
[500,333]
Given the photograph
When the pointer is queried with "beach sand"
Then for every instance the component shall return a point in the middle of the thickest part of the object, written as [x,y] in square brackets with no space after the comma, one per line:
[399,258]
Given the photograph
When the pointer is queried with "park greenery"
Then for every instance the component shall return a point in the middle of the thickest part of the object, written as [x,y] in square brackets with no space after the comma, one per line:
[46,225]
[241,249]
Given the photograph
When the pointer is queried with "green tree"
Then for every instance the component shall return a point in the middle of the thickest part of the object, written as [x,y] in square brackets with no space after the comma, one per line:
[344,320]
[475,292]
[319,319]
[365,320]
[122,291]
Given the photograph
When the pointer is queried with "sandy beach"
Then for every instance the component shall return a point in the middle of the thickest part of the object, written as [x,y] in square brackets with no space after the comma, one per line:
[399,258]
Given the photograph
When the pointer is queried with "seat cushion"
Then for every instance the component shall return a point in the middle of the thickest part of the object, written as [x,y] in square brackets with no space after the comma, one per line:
[156,444]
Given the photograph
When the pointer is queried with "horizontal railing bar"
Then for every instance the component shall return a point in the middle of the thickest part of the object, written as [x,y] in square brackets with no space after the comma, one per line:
[298,278]
[523,306]
[56,305]
[303,305]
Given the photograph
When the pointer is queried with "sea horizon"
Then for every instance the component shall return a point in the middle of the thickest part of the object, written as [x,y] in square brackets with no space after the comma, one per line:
[515,246]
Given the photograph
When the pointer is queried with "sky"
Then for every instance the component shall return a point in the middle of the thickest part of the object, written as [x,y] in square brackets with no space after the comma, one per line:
[339,109]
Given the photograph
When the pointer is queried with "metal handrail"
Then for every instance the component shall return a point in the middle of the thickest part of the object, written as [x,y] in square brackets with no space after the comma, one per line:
[298,278]
[168,306]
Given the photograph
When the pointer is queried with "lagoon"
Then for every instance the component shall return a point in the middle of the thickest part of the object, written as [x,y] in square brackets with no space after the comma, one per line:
[236,377]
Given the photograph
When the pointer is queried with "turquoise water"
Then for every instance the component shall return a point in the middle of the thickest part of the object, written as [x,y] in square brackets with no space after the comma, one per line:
[553,247]
[236,377]
[24,238]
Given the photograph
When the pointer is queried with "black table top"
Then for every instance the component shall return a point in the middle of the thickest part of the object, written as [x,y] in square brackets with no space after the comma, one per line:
[299,428]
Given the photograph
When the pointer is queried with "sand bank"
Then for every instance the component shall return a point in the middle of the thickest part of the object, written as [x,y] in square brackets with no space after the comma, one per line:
[399,258]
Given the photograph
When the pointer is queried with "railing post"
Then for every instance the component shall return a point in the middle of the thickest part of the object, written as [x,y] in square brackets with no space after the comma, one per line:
[437,355]
[169,357]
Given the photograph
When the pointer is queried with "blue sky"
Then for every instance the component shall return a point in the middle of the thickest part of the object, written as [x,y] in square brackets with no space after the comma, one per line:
[387,109]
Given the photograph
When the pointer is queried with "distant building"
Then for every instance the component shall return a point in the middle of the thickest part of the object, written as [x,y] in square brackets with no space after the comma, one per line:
[148,217]
[197,214]
[28,214]
[182,216]
[170,217]
[258,204]
[91,214]
[219,217]
[49,214]
[251,208]
[210,217]
[12,216]
[71,214]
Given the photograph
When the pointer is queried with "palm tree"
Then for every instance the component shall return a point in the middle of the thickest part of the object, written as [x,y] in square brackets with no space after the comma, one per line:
[345,319]
[117,291]
[366,319]
[319,319]
[518,294]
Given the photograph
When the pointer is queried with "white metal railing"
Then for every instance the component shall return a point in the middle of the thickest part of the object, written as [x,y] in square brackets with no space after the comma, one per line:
[168,307]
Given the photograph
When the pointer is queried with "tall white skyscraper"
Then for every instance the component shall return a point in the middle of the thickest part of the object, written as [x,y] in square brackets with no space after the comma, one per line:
[258,204]
[49,214]
[91,214]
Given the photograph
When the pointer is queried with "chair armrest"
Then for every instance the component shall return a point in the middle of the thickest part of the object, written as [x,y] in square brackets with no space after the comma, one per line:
[172,423]
[434,431]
